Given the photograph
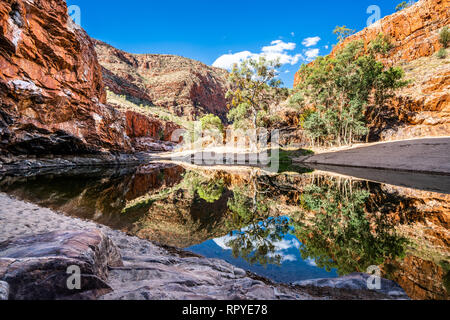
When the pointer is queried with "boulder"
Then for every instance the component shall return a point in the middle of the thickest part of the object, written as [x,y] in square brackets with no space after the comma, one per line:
[40,267]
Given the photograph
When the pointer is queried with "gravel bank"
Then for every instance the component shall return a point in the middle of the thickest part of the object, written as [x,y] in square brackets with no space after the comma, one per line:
[422,155]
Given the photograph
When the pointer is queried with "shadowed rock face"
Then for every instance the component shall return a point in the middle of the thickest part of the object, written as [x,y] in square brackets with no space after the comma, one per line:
[184,86]
[423,108]
[52,99]
[35,267]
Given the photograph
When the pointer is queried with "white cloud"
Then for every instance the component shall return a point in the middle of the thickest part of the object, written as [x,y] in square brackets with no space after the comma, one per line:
[227,61]
[326,47]
[278,46]
[278,50]
[311,41]
[293,34]
[311,54]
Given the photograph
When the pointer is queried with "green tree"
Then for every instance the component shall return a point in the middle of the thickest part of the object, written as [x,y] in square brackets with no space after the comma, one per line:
[255,86]
[340,89]
[343,32]
[256,230]
[214,125]
[211,122]
[404,4]
[444,37]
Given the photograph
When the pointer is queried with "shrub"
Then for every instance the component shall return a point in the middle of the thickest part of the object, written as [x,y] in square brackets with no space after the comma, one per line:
[444,37]
[442,53]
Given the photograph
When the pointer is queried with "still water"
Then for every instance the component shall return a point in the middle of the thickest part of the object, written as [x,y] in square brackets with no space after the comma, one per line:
[286,227]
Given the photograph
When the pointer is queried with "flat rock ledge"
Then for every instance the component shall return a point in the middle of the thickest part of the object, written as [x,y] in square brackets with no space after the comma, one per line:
[38,245]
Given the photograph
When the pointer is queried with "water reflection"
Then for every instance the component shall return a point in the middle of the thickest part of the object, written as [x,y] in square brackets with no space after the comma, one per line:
[285,227]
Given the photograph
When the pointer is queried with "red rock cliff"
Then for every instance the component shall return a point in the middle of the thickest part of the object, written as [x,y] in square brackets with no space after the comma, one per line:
[52,99]
[182,86]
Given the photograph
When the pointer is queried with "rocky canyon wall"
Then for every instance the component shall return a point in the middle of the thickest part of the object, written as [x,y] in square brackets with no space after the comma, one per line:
[52,96]
[182,86]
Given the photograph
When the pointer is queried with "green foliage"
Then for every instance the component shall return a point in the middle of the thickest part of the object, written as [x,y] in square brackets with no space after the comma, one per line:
[442,53]
[206,189]
[255,86]
[211,122]
[343,32]
[341,235]
[297,100]
[444,37]
[403,5]
[341,87]
[381,45]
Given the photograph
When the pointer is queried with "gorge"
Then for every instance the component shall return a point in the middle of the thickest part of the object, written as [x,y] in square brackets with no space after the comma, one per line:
[90,175]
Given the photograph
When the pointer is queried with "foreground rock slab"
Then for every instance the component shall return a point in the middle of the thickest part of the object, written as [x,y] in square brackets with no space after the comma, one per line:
[38,266]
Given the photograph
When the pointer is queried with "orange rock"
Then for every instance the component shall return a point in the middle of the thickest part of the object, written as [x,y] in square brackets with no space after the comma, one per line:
[52,99]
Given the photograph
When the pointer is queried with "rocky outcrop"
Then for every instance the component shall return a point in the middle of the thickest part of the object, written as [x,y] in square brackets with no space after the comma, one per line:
[423,108]
[183,86]
[52,98]
[39,267]
[150,133]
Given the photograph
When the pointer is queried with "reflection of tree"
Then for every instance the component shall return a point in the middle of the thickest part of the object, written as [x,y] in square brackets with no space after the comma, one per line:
[341,234]
[210,190]
[250,214]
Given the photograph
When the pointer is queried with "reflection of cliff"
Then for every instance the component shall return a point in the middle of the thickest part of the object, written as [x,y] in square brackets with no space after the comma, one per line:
[424,218]
[420,217]
[92,193]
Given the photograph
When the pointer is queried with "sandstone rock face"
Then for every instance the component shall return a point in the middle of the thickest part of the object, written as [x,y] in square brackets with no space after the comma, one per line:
[423,108]
[52,98]
[36,267]
[183,86]
[145,131]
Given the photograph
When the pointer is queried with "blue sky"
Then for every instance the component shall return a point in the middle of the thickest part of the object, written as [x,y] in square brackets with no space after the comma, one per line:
[206,30]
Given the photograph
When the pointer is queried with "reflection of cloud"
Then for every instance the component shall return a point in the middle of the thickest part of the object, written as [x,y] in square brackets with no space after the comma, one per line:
[223,242]
[277,50]
[311,262]
[282,247]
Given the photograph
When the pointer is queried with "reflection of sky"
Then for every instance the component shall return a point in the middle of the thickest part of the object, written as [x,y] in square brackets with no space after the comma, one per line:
[293,267]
